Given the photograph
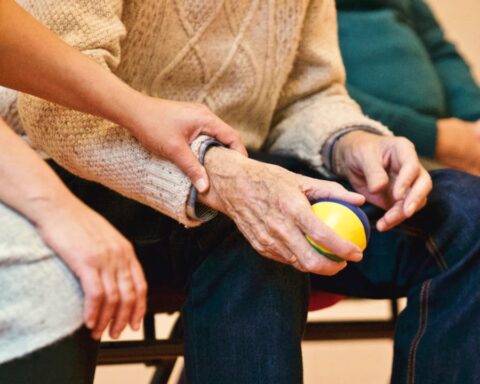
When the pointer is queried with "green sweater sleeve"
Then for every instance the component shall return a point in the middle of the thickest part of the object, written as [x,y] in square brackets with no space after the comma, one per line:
[403,121]
[463,94]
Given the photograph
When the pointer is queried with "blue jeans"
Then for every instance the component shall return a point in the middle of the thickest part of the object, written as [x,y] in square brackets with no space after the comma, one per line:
[244,316]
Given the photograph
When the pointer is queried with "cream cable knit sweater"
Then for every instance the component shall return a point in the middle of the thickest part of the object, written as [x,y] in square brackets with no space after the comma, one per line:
[270,68]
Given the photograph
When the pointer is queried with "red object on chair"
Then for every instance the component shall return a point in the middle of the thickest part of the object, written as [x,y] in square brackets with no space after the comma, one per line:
[321,299]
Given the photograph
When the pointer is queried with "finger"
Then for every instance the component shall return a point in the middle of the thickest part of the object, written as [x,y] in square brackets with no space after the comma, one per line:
[109,304]
[324,236]
[292,248]
[407,175]
[374,172]
[418,193]
[190,166]
[94,291]
[308,259]
[125,304]
[140,285]
[394,216]
[316,189]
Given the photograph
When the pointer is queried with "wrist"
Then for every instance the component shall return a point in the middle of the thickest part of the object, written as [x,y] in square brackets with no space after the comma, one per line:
[45,208]
[131,110]
[225,168]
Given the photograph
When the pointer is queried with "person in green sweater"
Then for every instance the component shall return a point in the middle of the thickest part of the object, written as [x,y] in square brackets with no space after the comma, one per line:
[403,72]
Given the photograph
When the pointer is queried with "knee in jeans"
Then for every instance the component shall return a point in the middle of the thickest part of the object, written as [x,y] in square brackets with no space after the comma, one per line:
[455,196]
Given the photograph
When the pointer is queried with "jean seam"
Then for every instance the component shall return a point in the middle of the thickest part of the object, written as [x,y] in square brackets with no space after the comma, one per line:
[430,244]
[422,328]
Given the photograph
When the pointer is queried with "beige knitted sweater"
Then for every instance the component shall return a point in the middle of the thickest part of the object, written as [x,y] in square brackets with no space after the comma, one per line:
[270,68]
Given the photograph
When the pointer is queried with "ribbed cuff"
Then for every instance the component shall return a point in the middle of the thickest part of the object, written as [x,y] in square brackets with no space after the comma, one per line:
[167,189]
[329,146]
[195,209]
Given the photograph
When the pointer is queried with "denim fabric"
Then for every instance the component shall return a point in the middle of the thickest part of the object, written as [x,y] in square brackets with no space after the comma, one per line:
[244,315]
[434,260]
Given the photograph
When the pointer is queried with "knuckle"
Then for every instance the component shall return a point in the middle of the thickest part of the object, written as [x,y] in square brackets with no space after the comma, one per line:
[91,259]
[142,289]
[259,247]
[113,298]
[96,294]
[310,264]
[266,242]
[128,298]
[320,237]
[128,247]
[405,142]
[115,249]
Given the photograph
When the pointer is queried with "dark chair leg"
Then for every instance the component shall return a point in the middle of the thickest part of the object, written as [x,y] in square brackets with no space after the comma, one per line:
[164,370]
[394,310]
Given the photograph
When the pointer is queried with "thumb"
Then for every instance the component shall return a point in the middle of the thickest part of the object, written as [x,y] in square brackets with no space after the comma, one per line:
[190,166]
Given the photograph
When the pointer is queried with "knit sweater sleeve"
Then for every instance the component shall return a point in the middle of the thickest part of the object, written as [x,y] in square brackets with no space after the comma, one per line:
[91,147]
[463,93]
[314,103]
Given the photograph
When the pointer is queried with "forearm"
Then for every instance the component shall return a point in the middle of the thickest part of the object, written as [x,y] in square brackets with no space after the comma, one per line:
[36,61]
[28,184]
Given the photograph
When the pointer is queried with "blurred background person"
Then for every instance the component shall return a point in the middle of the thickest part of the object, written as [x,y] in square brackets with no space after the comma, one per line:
[405,73]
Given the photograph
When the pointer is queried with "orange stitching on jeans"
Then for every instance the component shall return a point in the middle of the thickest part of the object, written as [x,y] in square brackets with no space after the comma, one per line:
[423,319]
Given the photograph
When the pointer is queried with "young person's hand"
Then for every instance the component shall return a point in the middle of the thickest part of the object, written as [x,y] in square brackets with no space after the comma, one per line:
[458,145]
[166,128]
[104,261]
[387,171]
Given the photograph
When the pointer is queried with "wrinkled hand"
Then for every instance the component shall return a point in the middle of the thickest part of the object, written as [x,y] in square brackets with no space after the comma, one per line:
[271,208]
[103,260]
[167,128]
[458,145]
[387,171]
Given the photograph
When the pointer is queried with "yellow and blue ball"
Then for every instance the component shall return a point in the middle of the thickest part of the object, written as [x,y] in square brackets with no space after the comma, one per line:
[347,220]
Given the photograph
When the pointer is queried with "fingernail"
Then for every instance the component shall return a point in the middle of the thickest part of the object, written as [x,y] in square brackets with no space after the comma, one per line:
[90,324]
[115,335]
[136,326]
[201,185]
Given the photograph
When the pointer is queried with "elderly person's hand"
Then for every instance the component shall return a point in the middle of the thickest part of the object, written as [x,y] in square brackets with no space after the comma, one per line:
[387,171]
[104,261]
[270,206]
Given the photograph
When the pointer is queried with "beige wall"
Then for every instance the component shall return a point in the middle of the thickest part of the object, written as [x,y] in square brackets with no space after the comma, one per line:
[461,19]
